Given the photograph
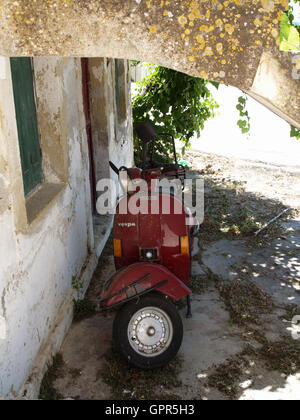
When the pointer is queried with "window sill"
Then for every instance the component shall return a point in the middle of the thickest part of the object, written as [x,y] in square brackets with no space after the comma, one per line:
[39,201]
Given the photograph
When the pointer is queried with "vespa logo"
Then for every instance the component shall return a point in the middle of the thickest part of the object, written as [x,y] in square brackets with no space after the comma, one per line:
[128,225]
[296,327]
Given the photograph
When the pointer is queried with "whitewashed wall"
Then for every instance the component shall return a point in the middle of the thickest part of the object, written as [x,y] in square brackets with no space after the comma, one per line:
[37,261]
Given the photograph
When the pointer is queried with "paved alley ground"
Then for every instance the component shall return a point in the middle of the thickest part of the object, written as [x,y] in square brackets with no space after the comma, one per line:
[240,343]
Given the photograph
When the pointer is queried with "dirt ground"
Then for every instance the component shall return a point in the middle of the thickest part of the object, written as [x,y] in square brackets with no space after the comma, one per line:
[240,343]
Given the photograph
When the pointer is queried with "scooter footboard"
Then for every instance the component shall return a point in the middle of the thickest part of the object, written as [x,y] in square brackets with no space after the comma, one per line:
[138,279]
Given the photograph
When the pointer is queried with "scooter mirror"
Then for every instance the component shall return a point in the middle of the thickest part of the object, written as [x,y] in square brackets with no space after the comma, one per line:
[146,132]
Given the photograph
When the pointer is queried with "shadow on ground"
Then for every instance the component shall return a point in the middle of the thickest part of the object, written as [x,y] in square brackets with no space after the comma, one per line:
[238,345]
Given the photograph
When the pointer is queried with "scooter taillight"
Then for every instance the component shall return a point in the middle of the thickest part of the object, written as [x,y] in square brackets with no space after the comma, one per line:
[117,248]
[184,245]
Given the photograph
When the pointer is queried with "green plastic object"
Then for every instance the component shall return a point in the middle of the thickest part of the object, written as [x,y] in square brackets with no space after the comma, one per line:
[184,163]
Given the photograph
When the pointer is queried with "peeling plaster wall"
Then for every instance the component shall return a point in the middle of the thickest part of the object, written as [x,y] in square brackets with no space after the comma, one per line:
[99,109]
[51,108]
[37,263]
[112,138]
[222,40]
[38,260]
[4,193]
[7,242]
[121,146]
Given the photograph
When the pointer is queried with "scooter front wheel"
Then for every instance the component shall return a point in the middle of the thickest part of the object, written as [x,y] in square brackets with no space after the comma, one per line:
[148,332]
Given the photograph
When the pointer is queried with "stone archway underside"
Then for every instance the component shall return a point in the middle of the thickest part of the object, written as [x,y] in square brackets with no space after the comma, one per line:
[234,41]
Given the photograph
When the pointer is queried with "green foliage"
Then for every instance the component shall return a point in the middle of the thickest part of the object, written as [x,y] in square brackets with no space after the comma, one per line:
[180,104]
[134,63]
[245,223]
[295,133]
[47,389]
[289,33]
[77,283]
[244,121]
[177,103]
[83,309]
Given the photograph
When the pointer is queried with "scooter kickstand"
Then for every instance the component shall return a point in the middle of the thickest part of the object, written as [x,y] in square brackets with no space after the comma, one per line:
[189,307]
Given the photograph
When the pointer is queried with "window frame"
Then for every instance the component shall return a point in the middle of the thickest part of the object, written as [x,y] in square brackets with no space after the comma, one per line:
[29,142]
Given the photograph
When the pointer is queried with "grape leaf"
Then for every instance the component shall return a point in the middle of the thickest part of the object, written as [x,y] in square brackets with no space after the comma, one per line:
[285,27]
[294,38]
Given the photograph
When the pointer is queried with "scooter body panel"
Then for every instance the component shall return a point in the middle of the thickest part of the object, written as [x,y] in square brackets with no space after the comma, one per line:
[154,234]
[140,278]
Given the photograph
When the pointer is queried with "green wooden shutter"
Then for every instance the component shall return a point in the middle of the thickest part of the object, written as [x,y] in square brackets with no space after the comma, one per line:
[26,115]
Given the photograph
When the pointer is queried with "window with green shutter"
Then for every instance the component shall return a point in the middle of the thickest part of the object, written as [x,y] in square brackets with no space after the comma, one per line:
[26,116]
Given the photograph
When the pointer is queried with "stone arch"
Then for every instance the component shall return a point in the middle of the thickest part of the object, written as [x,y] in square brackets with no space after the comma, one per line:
[235,42]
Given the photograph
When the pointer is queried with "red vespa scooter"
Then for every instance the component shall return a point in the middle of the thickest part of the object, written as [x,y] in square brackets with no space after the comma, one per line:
[152,252]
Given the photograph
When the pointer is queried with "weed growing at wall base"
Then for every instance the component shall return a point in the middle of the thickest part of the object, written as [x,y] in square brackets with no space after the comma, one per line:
[296,327]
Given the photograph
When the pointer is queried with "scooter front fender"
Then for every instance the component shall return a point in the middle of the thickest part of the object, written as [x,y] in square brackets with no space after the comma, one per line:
[139,279]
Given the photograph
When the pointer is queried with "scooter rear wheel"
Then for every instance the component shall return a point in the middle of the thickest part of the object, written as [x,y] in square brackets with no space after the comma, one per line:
[148,332]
